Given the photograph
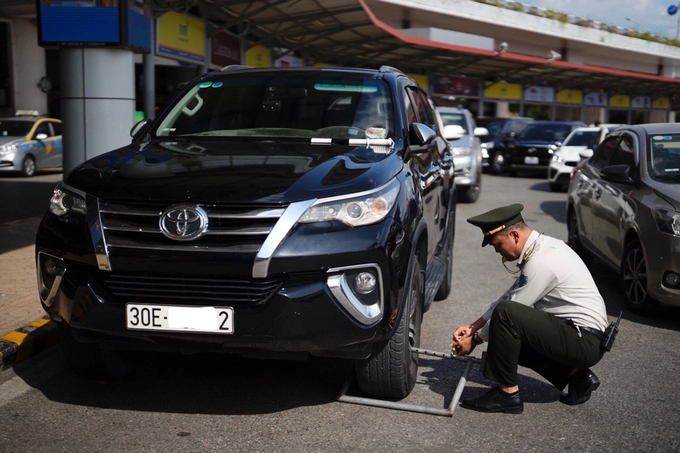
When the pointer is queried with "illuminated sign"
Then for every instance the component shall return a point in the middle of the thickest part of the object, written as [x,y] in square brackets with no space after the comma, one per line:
[503,91]
[95,23]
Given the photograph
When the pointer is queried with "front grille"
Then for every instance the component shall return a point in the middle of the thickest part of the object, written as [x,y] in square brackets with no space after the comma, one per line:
[234,229]
[189,290]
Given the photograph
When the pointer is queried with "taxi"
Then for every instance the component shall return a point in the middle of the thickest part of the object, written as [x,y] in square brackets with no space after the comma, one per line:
[29,142]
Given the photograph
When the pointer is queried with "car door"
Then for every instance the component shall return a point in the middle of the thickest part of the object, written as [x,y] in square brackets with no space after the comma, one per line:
[429,166]
[612,207]
[585,186]
[45,145]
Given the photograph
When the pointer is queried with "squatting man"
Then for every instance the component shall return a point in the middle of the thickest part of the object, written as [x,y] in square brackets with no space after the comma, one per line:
[551,319]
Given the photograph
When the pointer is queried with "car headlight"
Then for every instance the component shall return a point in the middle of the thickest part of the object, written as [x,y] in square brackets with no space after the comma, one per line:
[557,159]
[360,209]
[7,149]
[667,221]
[461,150]
[64,201]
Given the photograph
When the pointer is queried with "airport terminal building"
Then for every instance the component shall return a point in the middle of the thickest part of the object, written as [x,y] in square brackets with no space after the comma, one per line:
[123,59]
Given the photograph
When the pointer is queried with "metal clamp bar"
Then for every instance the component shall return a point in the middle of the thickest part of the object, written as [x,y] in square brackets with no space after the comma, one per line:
[447,412]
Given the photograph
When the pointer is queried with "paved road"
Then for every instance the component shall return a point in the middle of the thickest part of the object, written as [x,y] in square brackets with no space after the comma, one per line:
[212,403]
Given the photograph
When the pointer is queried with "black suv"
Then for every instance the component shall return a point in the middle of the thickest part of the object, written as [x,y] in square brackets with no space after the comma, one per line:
[265,212]
[532,150]
[494,157]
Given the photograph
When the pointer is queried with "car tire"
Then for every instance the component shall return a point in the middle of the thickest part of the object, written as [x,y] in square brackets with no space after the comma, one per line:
[497,163]
[634,280]
[28,167]
[446,255]
[392,369]
[89,360]
[574,240]
[470,194]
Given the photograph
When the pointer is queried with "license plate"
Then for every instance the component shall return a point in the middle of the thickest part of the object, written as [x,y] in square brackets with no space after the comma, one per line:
[179,318]
[531,160]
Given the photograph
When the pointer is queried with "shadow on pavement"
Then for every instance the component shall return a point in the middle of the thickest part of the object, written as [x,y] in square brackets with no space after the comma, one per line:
[200,384]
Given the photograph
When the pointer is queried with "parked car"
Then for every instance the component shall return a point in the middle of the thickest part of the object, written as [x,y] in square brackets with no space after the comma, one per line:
[464,135]
[624,207]
[493,144]
[577,146]
[533,148]
[272,213]
[29,142]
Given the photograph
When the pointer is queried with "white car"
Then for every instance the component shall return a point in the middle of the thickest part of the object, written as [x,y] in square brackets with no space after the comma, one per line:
[578,145]
[461,131]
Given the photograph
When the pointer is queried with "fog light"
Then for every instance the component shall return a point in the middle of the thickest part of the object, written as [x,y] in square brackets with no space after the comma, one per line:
[364,282]
[50,267]
[671,279]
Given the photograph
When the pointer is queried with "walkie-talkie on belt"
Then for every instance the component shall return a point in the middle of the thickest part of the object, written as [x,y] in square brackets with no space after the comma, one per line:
[610,335]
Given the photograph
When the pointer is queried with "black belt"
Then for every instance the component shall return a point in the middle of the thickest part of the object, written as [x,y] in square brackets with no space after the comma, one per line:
[597,333]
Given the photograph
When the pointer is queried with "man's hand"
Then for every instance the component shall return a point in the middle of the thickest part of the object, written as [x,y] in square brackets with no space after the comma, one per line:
[462,341]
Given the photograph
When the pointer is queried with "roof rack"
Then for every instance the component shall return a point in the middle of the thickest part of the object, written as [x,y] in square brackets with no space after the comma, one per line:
[235,67]
[385,68]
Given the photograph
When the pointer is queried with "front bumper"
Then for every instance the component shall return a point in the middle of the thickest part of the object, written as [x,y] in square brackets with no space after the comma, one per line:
[663,260]
[306,306]
[560,172]
[11,162]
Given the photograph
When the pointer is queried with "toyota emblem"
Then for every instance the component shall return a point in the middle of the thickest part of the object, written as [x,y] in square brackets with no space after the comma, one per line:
[183,222]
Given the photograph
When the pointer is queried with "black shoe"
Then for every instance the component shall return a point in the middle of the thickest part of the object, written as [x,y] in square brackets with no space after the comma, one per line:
[496,400]
[581,385]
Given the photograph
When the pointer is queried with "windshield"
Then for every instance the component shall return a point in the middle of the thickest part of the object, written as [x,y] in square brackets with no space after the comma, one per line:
[546,132]
[13,128]
[455,119]
[665,157]
[581,138]
[283,105]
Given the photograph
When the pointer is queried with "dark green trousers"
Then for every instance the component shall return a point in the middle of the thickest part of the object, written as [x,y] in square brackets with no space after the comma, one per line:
[523,335]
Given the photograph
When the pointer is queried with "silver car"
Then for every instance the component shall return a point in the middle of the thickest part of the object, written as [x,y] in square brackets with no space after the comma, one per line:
[463,135]
[624,207]
[29,143]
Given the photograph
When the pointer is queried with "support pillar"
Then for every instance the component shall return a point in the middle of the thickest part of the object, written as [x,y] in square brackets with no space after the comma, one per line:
[98,101]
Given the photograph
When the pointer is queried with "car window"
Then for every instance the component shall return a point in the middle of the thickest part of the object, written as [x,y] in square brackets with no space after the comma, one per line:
[13,128]
[43,128]
[580,138]
[604,153]
[546,132]
[288,105]
[56,127]
[421,107]
[455,119]
[665,156]
[514,126]
[624,153]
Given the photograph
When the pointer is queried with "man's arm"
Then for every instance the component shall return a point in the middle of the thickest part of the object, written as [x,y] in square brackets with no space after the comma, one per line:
[464,338]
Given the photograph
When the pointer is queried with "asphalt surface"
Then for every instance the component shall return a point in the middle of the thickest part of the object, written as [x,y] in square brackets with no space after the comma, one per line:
[205,403]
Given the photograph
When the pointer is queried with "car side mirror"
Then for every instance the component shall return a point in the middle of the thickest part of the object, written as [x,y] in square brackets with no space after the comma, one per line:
[586,153]
[139,128]
[481,131]
[453,132]
[41,136]
[422,138]
[617,173]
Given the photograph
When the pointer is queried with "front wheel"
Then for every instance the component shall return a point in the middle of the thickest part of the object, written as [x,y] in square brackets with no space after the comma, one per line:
[574,240]
[392,369]
[634,280]
[28,167]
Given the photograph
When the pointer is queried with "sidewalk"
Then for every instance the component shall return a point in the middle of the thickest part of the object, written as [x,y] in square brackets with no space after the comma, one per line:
[24,330]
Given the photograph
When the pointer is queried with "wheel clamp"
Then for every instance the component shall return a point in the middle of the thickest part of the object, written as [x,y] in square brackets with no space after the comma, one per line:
[447,412]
